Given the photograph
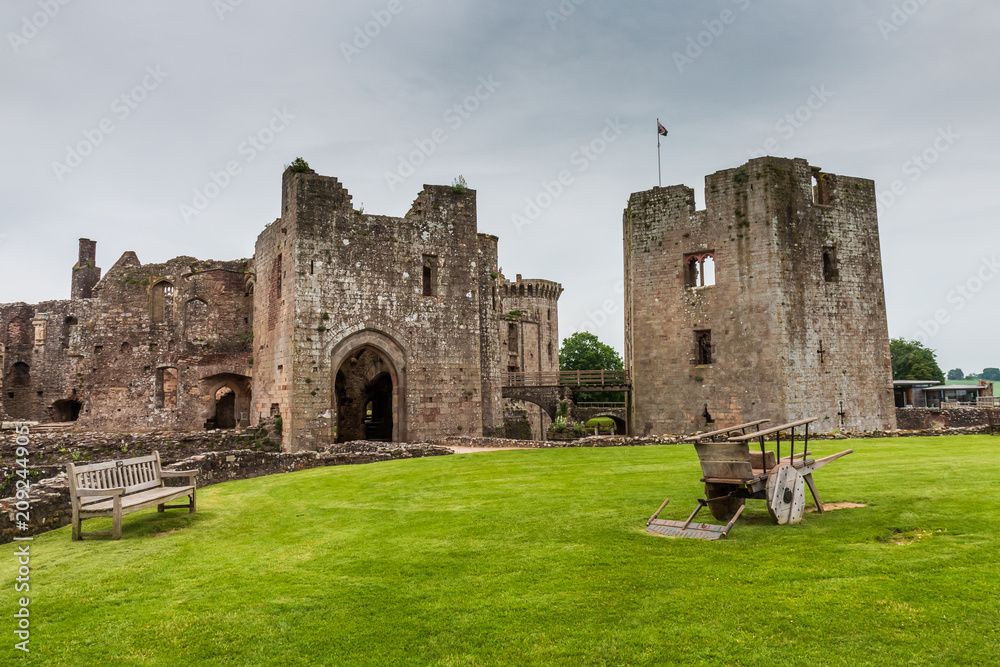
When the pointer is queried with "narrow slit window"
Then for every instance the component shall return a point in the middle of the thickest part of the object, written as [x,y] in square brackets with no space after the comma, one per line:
[512,337]
[430,275]
[831,272]
[703,347]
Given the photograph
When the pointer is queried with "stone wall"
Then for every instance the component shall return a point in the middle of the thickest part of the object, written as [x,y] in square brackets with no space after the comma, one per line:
[931,418]
[407,289]
[149,346]
[795,321]
[50,505]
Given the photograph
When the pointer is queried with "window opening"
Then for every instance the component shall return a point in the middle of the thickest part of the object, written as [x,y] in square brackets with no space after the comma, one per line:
[703,343]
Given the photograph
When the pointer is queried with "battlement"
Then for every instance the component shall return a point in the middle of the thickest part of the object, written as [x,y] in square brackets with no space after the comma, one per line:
[532,288]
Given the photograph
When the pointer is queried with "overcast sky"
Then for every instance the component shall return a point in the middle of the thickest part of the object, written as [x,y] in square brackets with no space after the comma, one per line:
[182,87]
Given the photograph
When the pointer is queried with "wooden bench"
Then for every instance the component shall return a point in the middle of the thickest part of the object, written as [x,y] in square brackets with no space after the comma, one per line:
[115,488]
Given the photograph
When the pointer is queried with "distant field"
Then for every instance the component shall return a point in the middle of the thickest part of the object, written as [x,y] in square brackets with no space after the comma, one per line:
[535,557]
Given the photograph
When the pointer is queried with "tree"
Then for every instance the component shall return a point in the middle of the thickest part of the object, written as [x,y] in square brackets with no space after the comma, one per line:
[584,352]
[956,374]
[992,374]
[912,361]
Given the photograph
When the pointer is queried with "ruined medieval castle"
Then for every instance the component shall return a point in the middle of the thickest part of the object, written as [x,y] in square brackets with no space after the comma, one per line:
[351,326]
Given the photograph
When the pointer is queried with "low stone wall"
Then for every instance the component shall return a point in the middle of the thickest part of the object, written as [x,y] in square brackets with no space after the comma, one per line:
[61,447]
[930,418]
[49,506]
[592,441]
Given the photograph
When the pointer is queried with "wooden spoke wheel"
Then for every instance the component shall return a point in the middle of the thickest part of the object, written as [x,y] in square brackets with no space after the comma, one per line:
[723,510]
[786,494]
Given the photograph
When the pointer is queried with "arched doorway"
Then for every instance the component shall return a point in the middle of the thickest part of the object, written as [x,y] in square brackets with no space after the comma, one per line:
[226,399]
[225,408]
[365,396]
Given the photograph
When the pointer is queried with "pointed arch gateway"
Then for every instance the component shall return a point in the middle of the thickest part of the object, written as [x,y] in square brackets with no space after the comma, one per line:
[369,387]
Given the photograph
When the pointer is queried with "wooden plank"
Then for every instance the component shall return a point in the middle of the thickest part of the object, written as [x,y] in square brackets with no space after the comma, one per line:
[111,464]
[722,451]
[739,470]
[776,429]
[699,436]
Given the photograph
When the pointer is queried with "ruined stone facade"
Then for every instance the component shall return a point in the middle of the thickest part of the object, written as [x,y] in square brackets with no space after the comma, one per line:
[344,325]
[767,304]
[151,347]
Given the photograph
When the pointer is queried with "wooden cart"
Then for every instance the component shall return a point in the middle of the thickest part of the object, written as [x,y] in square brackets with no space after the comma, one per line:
[733,473]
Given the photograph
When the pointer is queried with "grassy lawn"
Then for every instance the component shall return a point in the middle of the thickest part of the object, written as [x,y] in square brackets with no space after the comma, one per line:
[535,558]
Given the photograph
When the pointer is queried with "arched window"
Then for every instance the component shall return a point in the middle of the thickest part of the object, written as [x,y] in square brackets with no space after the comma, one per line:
[699,269]
[196,321]
[703,347]
[163,303]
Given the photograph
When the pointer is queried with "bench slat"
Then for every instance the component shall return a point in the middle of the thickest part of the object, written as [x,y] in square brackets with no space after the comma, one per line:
[722,451]
[727,469]
[141,500]
[113,464]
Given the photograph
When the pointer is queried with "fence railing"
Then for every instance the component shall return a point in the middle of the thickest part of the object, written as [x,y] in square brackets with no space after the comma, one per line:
[567,379]
[989,402]
[602,406]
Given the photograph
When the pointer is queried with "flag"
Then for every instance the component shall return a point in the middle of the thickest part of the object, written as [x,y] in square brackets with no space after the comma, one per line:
[662,130]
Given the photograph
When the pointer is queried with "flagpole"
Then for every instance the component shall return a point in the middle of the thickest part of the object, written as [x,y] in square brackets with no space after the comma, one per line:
[659,169]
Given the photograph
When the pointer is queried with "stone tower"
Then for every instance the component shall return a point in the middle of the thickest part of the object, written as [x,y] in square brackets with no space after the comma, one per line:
[767,304]
[375,327]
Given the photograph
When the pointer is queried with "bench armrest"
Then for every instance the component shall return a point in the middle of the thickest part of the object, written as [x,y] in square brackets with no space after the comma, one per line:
[100,492]
[178,473]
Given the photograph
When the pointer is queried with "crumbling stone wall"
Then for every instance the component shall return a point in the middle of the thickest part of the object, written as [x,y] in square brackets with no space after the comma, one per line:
[189,344]
[103,359]
[795,324]
[411,290]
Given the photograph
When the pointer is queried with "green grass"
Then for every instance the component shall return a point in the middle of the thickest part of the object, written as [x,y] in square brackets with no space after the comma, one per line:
[536,558]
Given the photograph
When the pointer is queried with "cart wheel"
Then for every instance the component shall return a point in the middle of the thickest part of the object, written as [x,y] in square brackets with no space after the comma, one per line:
[724,510]
[786,494]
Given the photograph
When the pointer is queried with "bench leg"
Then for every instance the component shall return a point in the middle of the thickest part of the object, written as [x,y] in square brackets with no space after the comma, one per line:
[160,508]
[116,518]
[192,507]
[77,525]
